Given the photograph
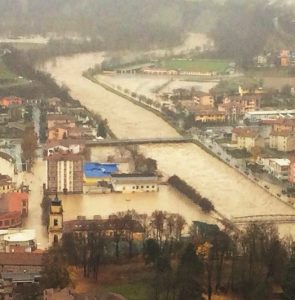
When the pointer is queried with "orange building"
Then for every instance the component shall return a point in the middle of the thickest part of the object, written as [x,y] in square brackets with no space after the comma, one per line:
[7,101]
[15,201]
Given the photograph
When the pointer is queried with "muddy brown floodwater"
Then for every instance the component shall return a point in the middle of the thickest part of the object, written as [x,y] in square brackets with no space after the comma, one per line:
[231,193]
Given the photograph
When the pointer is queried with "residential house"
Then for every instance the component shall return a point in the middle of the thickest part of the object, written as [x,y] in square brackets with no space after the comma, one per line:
[57,133]
[283,124]
[81,132]
[209,116]
[134,183]
[250,89]
[65,145]
[21,267]
[203,98]
[64,173]
[282,140]
[57,120]
[279,168]
[233,111]
[246,138]
[8,101]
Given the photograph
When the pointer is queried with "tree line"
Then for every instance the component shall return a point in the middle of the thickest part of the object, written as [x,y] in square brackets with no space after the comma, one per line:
[244,265]
[204,203]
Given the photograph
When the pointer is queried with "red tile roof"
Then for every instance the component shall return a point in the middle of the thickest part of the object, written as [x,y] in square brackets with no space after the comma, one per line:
[21,259]
[244,132]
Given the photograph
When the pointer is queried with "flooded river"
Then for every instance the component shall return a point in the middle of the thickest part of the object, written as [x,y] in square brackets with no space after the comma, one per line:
[231,193]
[137,123]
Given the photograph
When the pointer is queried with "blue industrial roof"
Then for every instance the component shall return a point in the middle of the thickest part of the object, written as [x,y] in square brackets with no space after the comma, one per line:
[99,169]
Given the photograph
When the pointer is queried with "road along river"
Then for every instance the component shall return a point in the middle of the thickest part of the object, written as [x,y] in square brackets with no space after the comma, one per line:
[231,193]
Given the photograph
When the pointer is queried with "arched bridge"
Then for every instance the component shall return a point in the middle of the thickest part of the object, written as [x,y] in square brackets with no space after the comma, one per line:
[275,218]
[111,142]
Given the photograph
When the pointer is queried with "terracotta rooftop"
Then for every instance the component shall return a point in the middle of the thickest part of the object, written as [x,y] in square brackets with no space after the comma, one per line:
[282,133]
[21,259]
[244,132]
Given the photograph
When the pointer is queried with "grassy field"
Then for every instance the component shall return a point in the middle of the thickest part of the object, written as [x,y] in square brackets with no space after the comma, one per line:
[8,78]
[197,65]
[5,73]
[131,290]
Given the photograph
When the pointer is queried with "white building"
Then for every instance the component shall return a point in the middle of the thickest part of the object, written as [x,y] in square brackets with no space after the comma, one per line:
[279,168]
[255,116]
[134,183]
[17,240]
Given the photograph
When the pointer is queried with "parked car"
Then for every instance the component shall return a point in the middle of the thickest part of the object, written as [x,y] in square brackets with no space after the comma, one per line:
[267,187]
[279,195]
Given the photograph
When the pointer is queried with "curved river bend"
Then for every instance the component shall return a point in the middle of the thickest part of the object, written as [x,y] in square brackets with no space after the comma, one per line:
[231,193]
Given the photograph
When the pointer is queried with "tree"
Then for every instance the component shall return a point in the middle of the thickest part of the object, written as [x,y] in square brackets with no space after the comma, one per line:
[55,273]
[190,275]
[289,280]
[29,146]
[157,223]
[101,129]
[151,251]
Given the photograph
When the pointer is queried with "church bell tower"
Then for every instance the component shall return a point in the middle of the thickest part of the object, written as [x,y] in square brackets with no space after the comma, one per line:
[55,221]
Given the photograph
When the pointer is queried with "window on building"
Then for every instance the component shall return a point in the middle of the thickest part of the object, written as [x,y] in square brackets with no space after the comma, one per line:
[137,187]
[24,203]
[55,222]
[1,223]
[7,222]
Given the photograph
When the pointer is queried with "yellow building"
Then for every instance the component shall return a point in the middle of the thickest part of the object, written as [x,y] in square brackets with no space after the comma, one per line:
[246,138]
[282,141]
[207,116]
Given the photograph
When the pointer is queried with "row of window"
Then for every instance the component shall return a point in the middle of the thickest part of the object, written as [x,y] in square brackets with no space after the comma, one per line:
[9,222]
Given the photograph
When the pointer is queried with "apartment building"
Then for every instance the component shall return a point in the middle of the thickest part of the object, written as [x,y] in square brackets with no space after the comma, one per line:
[246,138]
[282,140]
[64,173]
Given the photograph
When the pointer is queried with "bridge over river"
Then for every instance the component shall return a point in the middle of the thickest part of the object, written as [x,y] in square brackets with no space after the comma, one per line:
[274,218]
[139,141]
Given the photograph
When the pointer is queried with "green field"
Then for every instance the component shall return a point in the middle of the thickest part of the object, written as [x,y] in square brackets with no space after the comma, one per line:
[5,73]
[197,65]
[131,291]
[8,78]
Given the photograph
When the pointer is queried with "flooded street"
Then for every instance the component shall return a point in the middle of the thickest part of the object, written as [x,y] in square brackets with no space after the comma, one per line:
[231,193]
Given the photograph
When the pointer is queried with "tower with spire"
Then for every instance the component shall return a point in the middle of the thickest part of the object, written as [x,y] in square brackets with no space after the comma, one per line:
[55,225]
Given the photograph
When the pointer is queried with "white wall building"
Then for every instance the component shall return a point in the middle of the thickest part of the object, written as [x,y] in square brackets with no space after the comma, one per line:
[134,183]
